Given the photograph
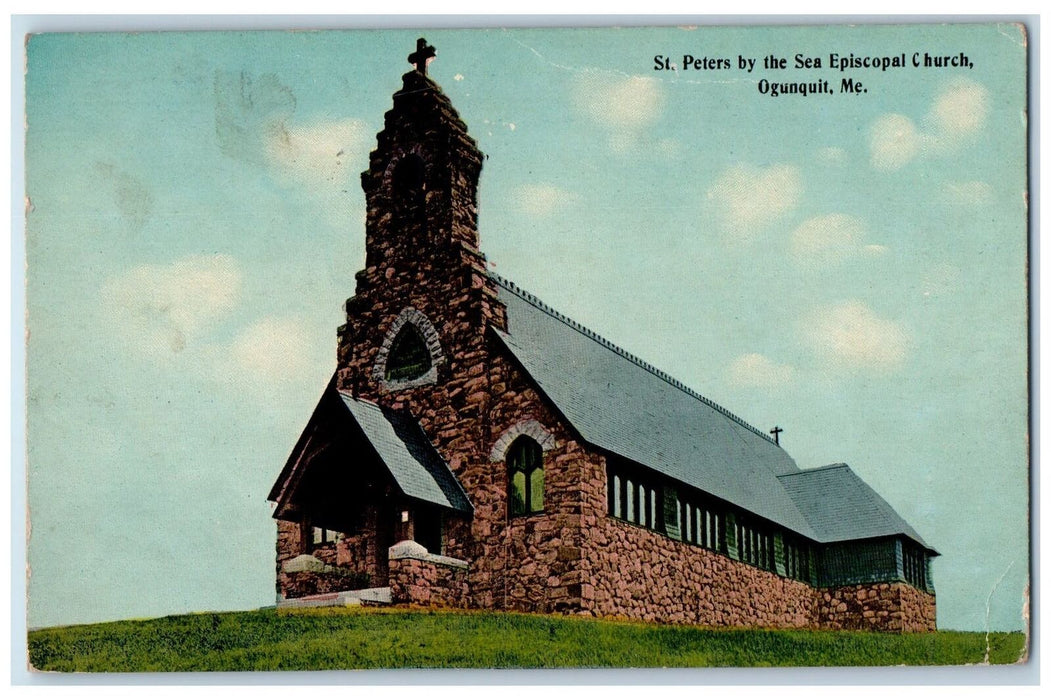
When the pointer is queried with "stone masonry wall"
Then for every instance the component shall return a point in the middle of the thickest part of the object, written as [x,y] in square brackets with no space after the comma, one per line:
[535,558]
[644,575]
[427,580]
[919,610]
[348,559]
[640,574]
[289,546]
[632,572]
[890,607]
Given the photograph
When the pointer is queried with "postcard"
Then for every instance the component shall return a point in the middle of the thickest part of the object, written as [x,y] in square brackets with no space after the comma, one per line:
[466,348]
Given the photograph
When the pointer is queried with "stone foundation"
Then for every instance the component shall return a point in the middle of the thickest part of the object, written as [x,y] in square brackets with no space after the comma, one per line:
[623,571]
[877,606]
[884,607]
[642,575]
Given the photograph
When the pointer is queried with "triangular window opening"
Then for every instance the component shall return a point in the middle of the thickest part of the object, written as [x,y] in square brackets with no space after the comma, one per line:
[409,357]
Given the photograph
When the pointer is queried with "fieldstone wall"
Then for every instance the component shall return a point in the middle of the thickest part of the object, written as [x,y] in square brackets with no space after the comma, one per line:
[419,578]
[919,610]
[346,564]
[884,607]
[644,575]
[307,575]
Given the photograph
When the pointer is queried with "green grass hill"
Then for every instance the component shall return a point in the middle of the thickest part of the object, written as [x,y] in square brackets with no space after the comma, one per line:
[356,638]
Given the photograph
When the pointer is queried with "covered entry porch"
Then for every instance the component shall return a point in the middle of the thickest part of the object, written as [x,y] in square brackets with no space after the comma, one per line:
[360,480]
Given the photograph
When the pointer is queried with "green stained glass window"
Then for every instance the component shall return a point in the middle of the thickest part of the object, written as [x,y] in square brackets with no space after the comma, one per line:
[536,489]
[409,357]
[518,493]
[525,465]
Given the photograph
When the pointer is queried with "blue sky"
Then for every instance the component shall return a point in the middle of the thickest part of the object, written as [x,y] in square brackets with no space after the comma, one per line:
[849,267]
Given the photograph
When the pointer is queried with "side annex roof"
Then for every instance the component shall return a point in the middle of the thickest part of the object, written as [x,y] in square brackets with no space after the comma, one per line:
[840,506]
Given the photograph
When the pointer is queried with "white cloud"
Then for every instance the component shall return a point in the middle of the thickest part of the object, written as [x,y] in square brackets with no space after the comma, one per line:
[272,349]
[322,153]
[894,141]
[624,106]
[956,115]
[755,370]
[959,111]
[968,194]
[162,308]
[827,239]
[166,313]
[747,198]
[541,200]
[851,335]
[833,155]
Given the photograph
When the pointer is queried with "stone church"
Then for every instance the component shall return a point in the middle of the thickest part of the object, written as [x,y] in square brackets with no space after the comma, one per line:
[476,448]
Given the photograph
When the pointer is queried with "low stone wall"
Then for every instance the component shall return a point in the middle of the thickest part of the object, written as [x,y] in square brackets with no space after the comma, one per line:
[420,578]
[308,575]
[883,607]
[639,574]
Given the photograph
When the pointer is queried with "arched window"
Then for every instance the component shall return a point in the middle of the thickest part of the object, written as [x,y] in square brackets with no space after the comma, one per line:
[525,477]
[410,354]
[409,357]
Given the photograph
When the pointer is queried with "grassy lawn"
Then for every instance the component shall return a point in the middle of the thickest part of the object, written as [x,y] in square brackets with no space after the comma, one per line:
[267,640]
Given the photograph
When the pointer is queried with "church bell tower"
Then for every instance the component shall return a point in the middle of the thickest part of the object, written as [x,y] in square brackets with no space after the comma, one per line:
[422,182]
[422,259]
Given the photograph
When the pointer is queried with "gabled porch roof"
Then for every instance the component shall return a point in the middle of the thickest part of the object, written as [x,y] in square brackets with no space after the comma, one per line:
[347,438]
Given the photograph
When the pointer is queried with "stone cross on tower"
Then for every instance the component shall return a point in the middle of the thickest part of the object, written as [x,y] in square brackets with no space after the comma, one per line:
[422,56]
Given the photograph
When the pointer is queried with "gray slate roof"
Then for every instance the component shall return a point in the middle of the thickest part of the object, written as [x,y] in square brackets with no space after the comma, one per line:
[627,407]
[416,466]
[840,506]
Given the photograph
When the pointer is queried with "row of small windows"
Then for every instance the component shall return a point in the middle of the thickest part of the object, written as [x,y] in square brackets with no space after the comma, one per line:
[634,502]
[642,500]
[648,502]
[705,527]
[755,546]
[659,507]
